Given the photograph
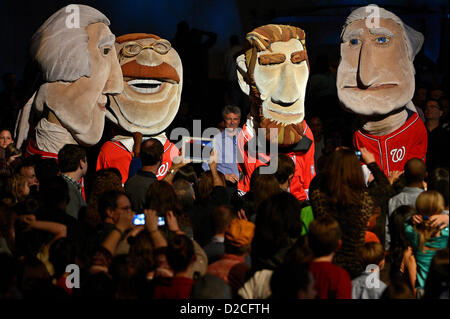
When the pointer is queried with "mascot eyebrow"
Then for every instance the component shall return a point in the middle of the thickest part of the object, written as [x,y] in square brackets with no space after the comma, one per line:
[381,31]
[351,34]
[278,58]
[108,40]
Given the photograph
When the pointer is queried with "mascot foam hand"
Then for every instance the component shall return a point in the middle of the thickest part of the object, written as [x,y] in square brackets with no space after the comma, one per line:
[375,80]
[79,70]
[274,72]
[153,80]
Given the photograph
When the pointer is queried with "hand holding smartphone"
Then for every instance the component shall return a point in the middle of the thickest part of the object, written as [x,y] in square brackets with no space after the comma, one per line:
[139,219]
[196,149]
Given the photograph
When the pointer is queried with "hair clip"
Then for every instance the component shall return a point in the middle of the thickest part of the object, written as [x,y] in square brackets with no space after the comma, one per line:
[425,217]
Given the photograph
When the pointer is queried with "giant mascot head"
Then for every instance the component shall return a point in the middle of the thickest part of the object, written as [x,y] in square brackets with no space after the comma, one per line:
[75,51]
[152,79]
[376,73]
[274,72]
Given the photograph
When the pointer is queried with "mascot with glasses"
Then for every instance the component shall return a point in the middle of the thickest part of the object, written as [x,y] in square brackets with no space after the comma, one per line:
[152,79]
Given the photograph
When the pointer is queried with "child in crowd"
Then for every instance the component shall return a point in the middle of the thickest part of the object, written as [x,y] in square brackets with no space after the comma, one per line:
[324,237]
[424,238]
[232,267]
[181,256]
[369,285]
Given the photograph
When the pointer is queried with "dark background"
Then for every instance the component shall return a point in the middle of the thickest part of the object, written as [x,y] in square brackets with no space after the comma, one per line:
[322,20]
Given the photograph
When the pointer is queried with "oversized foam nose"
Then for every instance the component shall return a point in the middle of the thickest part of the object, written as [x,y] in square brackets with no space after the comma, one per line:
[149,57]
[114,84]
[288,90]
[367,74]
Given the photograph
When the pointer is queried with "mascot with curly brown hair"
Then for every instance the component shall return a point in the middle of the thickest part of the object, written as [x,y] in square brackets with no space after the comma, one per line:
[274,71]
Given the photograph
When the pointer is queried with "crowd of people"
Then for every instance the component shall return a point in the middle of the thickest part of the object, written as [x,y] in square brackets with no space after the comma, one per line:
[354,238]
[67,232]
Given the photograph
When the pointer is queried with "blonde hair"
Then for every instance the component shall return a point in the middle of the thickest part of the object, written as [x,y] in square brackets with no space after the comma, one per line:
[371,253]
[428,203]
[16,184]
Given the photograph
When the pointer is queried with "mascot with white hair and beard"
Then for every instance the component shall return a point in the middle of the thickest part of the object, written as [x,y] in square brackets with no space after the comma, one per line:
[274,72]
[375,80]
[153,80]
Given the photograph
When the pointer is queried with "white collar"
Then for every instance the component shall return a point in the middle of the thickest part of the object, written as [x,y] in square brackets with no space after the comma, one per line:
[128,141]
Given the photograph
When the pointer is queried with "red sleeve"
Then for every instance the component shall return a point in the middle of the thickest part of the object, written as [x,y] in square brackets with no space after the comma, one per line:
[167,160]
[102,161]
[113,156]
[243,165]
[304,170]
[422,140]
[309,171]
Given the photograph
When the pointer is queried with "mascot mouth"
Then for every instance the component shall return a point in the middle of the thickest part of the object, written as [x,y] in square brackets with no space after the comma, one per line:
[148,86]
[284,118]
[283,104]
[283,112]
[285,115]
[373,87]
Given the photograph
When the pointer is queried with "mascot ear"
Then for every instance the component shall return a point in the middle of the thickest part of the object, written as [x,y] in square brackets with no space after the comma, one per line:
[242,74]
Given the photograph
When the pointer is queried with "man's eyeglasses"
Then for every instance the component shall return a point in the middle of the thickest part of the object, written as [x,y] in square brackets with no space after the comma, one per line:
[132,49]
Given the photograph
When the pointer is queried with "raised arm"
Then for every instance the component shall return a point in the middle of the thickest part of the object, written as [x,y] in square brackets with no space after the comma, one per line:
[151,222]
[124,223]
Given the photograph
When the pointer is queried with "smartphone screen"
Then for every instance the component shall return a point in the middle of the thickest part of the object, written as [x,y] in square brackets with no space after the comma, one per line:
[139,219]
[197,149]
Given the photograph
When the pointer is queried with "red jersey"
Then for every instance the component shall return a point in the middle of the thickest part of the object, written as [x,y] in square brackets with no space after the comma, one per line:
[115,154]
[303,158]
[332,282]
[393,150]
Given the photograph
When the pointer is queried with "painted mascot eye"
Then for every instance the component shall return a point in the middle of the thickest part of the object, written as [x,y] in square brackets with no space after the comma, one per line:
[106,50]
[382,40]
[354,41]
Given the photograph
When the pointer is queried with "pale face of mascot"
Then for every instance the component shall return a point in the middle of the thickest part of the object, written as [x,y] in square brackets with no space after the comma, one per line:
[282,85]
[152,79]
[80,105]
[280,76]
[375,72]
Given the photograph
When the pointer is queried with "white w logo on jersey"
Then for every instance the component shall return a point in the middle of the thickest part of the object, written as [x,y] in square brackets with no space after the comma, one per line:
[398,154]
